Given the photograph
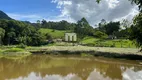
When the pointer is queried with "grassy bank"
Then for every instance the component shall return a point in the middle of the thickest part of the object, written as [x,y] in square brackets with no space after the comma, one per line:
[126,53]
[13,53]
[118,43]
[86,48]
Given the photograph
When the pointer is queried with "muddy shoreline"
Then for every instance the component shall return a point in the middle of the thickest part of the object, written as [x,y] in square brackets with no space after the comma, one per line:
[97,51]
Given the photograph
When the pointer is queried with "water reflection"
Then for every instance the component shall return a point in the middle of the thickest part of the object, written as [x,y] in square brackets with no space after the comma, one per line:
[94,75]
[97,76]
[43,67]
[34,76]
[130,74]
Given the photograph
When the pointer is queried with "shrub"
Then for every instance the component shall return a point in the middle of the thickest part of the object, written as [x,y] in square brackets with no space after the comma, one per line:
[100,34]
[21,46]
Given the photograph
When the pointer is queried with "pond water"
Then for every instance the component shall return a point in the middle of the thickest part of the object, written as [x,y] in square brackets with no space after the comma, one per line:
[45,67]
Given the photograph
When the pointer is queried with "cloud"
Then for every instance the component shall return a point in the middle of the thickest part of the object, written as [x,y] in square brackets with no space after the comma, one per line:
[109,10]
[35,17]
[74,10]
[31,17]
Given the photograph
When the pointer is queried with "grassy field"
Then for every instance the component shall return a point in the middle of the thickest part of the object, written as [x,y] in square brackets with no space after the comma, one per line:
[54,34]
[108,43]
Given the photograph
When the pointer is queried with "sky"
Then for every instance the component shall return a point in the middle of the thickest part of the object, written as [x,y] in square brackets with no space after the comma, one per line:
[70,10]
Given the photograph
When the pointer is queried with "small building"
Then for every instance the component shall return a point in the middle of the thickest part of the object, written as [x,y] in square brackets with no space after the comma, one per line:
[112,37]
[70,37]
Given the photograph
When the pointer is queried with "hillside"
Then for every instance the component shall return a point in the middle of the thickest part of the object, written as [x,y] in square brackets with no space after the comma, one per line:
[4,15]
[91,41]
[54,34]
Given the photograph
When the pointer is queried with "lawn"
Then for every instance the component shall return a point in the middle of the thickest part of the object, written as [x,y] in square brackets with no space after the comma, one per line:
[108,43]
[89,40]
[54,33]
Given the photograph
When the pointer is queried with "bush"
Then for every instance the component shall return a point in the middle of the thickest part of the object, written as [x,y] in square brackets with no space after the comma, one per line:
[100,34]
[21,46]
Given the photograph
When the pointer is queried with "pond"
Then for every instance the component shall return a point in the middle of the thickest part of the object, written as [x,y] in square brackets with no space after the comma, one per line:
[47,67]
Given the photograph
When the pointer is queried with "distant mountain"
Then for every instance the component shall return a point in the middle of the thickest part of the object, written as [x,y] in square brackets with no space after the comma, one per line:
[4,15]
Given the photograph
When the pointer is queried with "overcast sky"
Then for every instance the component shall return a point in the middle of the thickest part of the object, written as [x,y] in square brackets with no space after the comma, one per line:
[70,10]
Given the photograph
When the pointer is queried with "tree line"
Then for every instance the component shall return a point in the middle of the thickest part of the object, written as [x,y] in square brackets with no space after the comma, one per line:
[16,32]
[23,32]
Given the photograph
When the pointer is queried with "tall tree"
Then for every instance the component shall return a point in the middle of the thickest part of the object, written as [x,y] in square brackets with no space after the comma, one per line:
[83,28]
[136,30]
[112,27]
[102,25]
[2,34]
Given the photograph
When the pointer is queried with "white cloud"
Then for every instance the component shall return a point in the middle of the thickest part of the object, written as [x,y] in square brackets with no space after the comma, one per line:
[34,17]
[31,17]
[74,10]
[109,10]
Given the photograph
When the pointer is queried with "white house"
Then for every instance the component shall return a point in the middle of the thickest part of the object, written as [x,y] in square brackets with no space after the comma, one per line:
[70,37]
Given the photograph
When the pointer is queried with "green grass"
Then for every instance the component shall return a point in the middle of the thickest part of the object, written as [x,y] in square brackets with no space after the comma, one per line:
[120,43]
[55,34]
[108,43]
[14,53]
[14,50]
[88,40]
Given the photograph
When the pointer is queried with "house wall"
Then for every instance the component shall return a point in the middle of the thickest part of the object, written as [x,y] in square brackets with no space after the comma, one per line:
[70,37]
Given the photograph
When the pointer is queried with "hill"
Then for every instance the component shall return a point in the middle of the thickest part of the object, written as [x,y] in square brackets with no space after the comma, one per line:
[4,15]
[54,33]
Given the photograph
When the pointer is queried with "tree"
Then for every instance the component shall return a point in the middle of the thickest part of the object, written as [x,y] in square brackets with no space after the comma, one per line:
[109,28]
[136,30]
[38,24]
[83,28]
[10,36]
[100,34]
[112,27]
[102,25]
[17,32]
[44,23]
[2,34]
[37,39]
